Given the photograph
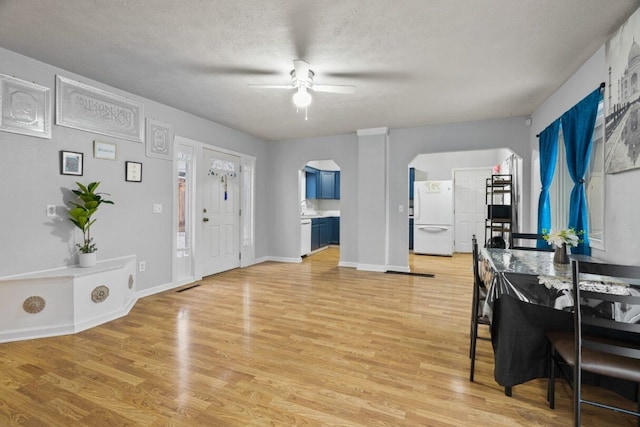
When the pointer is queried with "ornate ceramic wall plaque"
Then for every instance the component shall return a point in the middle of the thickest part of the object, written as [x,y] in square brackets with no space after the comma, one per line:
[159,137]
[99,294]
[26,107]
[83,107]
[33,305]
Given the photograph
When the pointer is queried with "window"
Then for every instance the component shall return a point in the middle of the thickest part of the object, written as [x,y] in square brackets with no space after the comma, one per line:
[560,191]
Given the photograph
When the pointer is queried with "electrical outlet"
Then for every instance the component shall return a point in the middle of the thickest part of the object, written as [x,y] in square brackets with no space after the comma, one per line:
[51,210]
[142,266]
[400,208]
[157,208]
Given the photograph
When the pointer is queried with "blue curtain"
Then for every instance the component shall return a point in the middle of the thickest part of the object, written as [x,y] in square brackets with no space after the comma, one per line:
[577,130]
[548,156]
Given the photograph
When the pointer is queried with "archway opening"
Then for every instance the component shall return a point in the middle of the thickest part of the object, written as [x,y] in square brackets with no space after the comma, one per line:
[448,201]
[320,192]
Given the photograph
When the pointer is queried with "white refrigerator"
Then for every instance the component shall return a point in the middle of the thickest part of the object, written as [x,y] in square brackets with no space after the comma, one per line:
[433,217]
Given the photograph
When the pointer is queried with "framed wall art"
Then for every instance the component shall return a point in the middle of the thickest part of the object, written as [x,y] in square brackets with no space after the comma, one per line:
[84,107]
[70,163]
[159,139]
[133,171]
[26,107]
[104,150]
[622,135]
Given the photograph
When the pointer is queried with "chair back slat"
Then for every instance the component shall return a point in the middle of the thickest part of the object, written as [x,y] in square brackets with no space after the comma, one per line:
[516,243]
[607,315]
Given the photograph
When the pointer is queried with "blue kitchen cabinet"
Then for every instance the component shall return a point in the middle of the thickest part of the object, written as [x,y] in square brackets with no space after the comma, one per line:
[336,191]
[327,186]
[323,232]
[312,176]
[319,233]
[334,230]
[411,234]
[412,178]
[315,235]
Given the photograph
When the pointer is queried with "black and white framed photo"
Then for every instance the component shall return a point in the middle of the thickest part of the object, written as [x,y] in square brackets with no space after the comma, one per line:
[622,135]
[70,163]
[159,138]
[133,171]
[104,150]
[25,107]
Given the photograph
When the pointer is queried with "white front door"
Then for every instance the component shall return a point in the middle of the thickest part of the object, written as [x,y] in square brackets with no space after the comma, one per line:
[220,214]
[470,208]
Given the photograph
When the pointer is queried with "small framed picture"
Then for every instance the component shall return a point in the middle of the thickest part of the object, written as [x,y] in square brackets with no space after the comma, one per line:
[133,171]
[104,150]
[70,163]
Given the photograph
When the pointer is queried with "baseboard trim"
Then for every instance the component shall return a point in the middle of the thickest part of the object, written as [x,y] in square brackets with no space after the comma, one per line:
[165,287]
[372,267]
[400,268]
[348,264]
[284,259]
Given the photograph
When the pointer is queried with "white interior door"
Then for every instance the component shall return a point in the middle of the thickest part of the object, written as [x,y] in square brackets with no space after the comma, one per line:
[220,214]
[469,202]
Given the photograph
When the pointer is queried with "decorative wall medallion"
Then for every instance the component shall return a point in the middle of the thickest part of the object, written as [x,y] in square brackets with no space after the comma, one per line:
[131,281]
[159,139]
[25,107]
[33,304]
[99,294]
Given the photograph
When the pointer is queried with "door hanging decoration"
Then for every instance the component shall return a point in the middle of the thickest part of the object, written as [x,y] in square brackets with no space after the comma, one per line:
[224,169]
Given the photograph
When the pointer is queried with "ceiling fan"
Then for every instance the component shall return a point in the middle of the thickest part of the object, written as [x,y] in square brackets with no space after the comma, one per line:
[302,81]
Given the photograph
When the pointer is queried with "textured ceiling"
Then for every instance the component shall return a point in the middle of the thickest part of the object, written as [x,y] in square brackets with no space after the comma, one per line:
[414,62]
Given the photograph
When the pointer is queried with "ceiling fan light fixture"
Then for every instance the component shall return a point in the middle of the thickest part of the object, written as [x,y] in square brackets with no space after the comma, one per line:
[302,98]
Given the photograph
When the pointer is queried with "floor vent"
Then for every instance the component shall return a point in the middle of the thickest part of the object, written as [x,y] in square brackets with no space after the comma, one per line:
[187,288]
[408,273]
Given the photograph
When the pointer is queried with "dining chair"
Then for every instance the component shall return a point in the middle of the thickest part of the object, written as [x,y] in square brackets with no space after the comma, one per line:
[517,241]
[610,348]
[477,318]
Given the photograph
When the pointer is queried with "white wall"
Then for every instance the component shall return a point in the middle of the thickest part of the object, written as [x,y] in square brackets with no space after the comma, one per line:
[287,157]
[29,173]
[406,144]
[621,234]
[438,166]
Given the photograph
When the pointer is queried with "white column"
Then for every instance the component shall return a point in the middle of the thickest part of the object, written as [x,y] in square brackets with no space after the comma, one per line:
[372,198]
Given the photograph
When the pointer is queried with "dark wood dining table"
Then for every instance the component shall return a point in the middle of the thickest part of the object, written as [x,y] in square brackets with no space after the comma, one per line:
[527,295]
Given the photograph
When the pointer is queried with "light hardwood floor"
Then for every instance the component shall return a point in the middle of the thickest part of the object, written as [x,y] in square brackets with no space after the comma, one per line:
[282,344]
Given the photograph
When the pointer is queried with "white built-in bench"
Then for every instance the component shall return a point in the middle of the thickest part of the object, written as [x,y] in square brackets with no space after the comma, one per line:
[66,300]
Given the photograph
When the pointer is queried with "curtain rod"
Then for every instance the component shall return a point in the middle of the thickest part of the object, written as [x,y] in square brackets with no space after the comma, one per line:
[602,86]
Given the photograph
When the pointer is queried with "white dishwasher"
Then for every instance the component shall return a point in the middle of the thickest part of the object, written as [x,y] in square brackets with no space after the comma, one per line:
[305,237]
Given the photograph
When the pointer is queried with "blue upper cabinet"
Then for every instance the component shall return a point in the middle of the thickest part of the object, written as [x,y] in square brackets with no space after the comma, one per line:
[322,184]
[327,185]
[312,182]
[412,178]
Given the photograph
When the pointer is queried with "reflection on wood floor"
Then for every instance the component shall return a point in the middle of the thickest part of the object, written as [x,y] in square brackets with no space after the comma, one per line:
[281,344]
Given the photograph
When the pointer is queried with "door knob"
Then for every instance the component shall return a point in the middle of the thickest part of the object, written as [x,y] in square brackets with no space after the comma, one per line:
[205,219]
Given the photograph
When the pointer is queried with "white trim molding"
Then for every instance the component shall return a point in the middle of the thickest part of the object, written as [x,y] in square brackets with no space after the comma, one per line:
[373,131]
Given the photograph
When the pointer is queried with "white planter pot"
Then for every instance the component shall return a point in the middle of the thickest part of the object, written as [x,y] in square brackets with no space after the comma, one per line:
[87,260]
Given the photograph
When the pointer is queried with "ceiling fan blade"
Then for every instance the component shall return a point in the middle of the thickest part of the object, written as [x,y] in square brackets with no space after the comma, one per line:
[303,20]
[346,89]
[302,70]
[273,86]
[232,70]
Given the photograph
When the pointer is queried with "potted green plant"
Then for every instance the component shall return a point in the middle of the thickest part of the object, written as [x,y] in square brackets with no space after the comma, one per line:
[81,213]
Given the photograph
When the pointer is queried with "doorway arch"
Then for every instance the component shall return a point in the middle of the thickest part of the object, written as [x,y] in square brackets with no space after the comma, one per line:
[319,187]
